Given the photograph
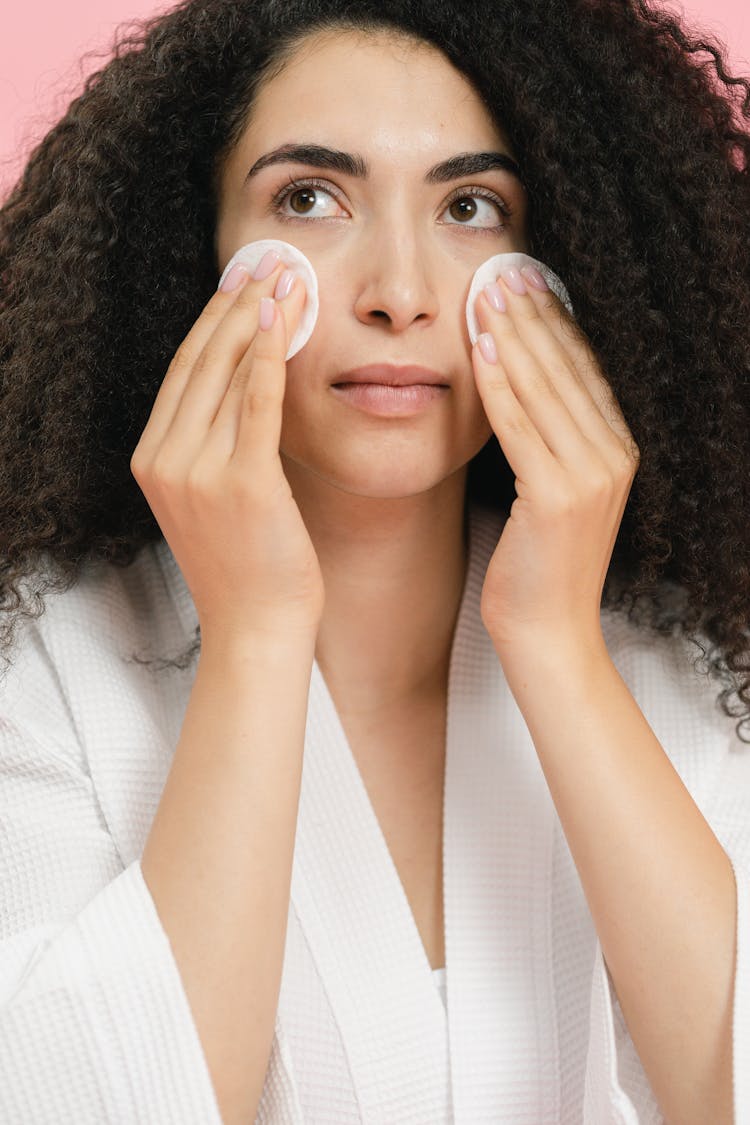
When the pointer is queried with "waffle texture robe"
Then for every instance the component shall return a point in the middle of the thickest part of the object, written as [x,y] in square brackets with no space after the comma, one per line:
[95,1025]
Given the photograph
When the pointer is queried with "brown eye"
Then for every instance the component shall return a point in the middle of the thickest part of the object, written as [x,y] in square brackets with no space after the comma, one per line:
[477,209]
[311,200]
[464,208]
[306,198]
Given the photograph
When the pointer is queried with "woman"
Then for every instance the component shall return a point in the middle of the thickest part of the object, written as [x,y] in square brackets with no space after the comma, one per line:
[204,591]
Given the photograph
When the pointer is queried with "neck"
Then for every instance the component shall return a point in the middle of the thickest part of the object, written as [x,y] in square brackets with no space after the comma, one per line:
[394,572]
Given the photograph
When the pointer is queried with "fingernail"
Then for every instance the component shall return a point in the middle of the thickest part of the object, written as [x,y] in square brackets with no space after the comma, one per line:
[266,265]
[487,347]
[495,296]
[534,277]
[513,280]
[236,277]
[267,305]
[284,285]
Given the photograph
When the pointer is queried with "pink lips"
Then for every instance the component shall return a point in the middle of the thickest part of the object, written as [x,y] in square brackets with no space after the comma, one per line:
[389,390]
[393,375]
[379,398]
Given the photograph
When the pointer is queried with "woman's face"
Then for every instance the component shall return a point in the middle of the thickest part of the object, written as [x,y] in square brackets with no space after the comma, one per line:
[394,253]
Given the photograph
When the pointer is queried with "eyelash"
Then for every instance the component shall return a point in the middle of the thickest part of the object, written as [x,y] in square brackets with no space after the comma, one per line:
[460,193]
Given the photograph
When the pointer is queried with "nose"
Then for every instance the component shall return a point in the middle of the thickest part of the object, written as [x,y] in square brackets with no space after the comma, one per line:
[398,282]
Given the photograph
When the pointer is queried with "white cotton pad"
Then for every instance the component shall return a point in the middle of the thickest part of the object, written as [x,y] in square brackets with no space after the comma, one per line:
[249,256]
[488,272]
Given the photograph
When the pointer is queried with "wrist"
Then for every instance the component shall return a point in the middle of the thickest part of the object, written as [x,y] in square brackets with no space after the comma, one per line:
[264,644]
[567,649]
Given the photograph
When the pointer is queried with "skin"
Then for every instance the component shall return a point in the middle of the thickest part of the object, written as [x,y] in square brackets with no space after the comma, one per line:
[355,544]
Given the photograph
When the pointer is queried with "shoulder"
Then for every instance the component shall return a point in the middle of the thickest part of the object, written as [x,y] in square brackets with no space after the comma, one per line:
[111,608]
[82,647]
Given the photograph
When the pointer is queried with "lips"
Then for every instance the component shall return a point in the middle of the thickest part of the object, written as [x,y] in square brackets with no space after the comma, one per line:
[391,375]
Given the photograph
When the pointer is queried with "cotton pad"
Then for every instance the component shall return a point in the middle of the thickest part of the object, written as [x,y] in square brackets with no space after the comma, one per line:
[488,272]
[249,256]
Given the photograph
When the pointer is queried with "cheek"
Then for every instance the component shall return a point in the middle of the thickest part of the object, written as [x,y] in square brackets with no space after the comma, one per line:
[326,350]
[332,305]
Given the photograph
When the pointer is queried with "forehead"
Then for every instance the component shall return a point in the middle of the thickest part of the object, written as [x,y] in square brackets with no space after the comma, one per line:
[372,91]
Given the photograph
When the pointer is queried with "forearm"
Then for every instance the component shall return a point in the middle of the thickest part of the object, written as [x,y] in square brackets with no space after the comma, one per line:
[659,886]
[218,858]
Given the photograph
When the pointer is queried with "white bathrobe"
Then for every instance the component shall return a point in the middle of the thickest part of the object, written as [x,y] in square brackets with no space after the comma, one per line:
[95,1026]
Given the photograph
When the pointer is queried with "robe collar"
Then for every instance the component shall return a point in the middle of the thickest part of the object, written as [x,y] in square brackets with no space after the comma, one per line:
[407,1058]
[402,1048]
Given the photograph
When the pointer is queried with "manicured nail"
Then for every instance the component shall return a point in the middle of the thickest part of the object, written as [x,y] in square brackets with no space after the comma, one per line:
[284,285]
[513,280]
[266,265]
[495,296]
[236,277]
[487,347]
[267,305]
[534,277]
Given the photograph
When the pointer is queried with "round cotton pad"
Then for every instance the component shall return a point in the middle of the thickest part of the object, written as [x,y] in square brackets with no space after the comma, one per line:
[488,272]
[249,256]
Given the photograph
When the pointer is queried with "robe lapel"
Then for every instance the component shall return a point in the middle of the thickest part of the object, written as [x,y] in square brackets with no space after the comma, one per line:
[349,911]
[497,856]
[356,919]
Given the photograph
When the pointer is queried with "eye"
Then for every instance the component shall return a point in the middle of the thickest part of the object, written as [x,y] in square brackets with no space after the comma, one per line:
[463,207]
[304,198]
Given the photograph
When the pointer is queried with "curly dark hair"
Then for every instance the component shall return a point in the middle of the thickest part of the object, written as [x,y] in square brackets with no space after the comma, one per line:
[634,151]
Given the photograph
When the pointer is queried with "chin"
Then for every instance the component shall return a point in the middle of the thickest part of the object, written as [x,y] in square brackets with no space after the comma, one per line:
[385,492]
[378,478]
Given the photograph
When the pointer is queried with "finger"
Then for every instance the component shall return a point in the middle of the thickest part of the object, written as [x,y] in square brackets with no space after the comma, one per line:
[224,431]
[535,330]
[537,394]
[573,342]
[179,370]
[544,322]
[259,429]
[528,455]
[215,368]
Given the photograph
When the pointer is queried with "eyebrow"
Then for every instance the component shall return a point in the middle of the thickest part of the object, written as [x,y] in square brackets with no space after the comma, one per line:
[352,164]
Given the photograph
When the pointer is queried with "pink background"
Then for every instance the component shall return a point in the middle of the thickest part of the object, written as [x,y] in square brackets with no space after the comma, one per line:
[43,43]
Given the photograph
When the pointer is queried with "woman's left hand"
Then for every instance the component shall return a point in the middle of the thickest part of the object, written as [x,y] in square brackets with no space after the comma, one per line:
[574,459]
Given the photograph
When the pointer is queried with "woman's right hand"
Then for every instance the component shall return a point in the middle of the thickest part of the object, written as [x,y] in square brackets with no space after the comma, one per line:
[208,464]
